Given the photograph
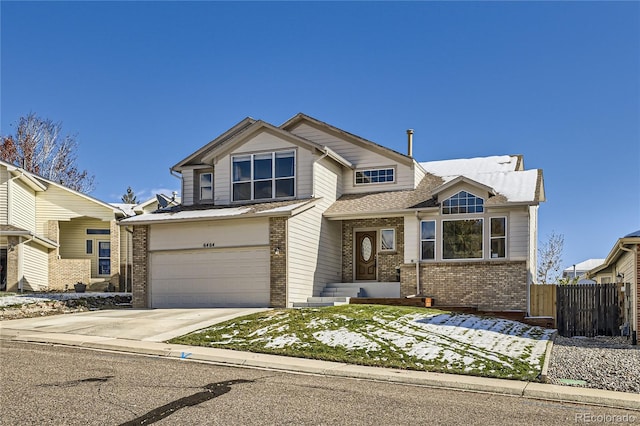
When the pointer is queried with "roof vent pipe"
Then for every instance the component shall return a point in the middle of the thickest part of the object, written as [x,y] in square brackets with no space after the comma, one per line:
[410,142]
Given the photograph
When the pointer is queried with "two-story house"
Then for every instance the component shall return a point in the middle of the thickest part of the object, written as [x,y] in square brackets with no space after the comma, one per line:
[272,215]
[52,237]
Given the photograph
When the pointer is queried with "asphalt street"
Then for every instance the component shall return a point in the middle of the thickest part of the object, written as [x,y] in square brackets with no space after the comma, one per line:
[53,385]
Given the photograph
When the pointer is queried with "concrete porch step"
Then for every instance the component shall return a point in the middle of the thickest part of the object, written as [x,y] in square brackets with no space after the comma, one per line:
[317,302]
[340,293]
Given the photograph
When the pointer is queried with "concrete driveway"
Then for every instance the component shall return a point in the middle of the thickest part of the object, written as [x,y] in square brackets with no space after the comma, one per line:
[153,325]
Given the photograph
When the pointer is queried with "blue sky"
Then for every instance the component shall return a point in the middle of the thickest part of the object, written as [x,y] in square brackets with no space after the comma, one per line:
[144,84]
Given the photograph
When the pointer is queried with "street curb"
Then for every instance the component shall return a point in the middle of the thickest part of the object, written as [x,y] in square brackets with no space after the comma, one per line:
[544,374]
[233,358]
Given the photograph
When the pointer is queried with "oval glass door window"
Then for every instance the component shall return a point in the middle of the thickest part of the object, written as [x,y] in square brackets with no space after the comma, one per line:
[367,249]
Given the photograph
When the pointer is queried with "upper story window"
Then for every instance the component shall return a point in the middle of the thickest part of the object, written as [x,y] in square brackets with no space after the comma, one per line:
[461,203]
[263,176]
[206,186]
[369,176]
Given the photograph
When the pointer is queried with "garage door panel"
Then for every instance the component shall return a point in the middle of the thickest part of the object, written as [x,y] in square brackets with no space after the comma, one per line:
[210,278]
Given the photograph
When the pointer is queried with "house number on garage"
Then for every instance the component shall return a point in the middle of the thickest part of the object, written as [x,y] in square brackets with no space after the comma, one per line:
[208,245]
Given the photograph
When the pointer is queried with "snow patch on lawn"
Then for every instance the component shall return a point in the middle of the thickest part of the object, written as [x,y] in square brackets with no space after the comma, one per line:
[346,339]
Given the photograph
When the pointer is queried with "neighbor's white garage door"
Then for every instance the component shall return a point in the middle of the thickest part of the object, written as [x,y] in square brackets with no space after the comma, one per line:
[210,278]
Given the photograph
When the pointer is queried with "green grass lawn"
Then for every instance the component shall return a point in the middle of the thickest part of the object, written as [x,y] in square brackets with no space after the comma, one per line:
[387,336]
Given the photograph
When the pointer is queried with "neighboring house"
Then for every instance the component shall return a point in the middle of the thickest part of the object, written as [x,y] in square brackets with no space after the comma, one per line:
[579,271]
[271,215]
[52,237]
[622,265]
[126,210]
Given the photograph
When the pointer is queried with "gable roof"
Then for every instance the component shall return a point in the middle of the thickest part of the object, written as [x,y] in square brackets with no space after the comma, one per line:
[41,184]
[504,174]
[618,249]
[233,131]
[342,134]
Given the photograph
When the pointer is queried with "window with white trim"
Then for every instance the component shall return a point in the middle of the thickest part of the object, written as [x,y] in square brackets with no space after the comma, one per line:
[387,239]
[263,176]
[462,239]
[370,176]
[428,240]
[206,186]
[498,237]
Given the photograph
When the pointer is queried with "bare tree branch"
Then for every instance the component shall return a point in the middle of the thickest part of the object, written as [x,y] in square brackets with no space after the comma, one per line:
[38,147]
[550,259]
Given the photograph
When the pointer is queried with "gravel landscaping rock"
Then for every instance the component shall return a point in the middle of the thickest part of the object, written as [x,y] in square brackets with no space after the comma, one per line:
[602,362]
[55,307]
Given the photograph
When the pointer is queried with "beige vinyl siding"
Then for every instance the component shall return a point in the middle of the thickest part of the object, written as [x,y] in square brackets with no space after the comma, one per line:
[35,267]
[361,158]
[4,204]
[313,242]
[412,238]
[187,187]
[222,233]
[23,206]
[263,142]
[73,237]
[60,204]
[518,233]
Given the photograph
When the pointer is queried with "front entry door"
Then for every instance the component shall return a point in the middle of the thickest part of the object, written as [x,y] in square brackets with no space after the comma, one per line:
[366,255]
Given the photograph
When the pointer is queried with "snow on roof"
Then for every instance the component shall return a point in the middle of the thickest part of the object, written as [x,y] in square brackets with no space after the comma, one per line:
[498,172]
[463,166]
[127,209]
[263,209]
[187,215]
[586,265]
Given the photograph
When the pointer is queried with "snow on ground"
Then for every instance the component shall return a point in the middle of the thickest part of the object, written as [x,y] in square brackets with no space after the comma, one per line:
[26,299]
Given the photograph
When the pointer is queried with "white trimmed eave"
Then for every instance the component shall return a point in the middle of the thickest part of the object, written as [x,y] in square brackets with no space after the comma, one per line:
[27,178]
[45,242]
[368,215]
[462,179]
[251,131]
[614,254]
[275,212]
[337,157]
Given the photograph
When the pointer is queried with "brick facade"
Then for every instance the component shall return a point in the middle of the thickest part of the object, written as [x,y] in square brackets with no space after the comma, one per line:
[12,264]
[388,262]
[500,285]
[278,261]
[140,273]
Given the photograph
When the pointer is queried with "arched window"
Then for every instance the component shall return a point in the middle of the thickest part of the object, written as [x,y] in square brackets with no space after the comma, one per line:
[462,203]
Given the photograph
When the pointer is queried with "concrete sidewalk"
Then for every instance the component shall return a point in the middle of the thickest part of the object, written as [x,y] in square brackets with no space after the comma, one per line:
[9,331]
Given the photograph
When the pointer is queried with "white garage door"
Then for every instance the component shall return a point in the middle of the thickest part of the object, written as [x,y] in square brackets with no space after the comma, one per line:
[210,278]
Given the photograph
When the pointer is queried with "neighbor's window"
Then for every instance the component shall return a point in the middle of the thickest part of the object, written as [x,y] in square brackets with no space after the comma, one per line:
[387,239]
[461,203]
[206,186]
[98,232]
[462,239]
[428,239]
[364,177]
[89,249]
[263,176]
[498,237]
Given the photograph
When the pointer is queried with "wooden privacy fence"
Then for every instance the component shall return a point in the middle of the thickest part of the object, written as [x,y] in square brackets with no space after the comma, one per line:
[588,310]
[543,300]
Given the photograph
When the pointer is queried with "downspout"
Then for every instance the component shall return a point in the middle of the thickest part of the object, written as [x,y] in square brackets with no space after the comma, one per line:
[21,268]
[418,260]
